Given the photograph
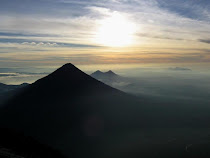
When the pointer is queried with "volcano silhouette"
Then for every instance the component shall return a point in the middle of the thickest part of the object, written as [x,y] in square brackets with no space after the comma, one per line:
[67,107]
[73,112]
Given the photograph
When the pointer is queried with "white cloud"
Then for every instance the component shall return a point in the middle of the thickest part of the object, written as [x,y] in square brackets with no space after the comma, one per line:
[80,27]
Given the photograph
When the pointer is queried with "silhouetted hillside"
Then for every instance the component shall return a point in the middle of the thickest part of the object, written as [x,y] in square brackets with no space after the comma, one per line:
[83,117]
[66,106]
[17,145]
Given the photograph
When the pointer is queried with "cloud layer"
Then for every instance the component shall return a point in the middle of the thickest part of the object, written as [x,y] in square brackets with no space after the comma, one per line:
[49,29]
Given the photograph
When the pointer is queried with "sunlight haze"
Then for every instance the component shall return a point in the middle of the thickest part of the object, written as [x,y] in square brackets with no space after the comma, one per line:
[146,31]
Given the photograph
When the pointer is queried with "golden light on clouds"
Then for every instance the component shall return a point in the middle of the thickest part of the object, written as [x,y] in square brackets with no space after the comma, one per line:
[115,31]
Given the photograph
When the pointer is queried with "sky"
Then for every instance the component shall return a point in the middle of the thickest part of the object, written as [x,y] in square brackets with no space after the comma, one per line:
[88,32]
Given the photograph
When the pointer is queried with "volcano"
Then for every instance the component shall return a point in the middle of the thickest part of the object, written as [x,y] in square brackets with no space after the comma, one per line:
[67,107]
[76,114]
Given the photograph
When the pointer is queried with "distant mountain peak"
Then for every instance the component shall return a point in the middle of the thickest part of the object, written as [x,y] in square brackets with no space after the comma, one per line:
[98,71]
[110,72]
[99,74]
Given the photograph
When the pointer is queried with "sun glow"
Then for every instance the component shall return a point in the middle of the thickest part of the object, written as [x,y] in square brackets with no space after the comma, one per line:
[115,31]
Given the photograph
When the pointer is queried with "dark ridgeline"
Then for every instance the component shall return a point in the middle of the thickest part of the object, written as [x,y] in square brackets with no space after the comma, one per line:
[82,117]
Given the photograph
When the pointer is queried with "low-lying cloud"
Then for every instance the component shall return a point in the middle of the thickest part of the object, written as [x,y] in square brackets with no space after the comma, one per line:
[205,41]
[179,69]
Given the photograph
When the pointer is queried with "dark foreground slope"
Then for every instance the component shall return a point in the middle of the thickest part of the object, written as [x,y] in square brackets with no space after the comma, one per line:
[83,117]
[17,145]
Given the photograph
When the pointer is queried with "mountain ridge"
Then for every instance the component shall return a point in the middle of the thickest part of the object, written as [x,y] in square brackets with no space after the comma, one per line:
[99,73]
[67,101]
[73,112]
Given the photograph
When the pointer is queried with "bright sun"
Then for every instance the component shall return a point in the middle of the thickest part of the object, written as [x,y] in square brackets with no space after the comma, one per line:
[115,31]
